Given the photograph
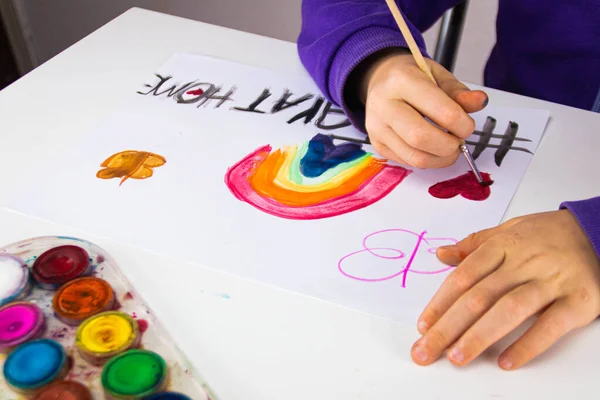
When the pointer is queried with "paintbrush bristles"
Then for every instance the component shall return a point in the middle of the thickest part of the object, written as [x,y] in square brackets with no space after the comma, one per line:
[410,40]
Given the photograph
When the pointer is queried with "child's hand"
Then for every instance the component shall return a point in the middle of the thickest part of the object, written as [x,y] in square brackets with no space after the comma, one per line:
[538,264]
[397,94]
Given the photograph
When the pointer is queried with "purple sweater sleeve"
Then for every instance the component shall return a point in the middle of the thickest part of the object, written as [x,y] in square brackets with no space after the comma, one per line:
[587,213]
[337,35]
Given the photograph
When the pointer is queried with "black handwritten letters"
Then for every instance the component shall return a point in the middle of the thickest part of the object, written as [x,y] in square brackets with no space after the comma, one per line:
[325,115]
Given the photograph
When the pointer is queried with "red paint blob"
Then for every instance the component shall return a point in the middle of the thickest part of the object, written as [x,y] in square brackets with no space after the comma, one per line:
[60,265]
[143,325]
[465,185]
[128,296]
[196,92]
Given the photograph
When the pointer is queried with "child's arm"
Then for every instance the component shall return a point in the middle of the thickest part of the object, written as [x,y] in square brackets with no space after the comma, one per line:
[357,56]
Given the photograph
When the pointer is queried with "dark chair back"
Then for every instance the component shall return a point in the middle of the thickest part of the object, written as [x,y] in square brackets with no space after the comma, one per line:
[453,23]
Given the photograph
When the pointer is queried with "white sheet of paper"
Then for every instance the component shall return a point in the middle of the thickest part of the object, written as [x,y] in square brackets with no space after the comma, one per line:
[185,209]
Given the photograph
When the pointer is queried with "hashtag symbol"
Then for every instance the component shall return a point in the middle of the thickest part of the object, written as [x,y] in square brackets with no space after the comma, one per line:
[485,135]
[506,144]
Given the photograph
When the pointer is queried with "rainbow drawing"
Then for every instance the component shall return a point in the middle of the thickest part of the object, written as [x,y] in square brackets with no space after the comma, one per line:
[317,180]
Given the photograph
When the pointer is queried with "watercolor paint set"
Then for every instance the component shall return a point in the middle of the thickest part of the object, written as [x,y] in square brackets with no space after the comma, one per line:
[72,327]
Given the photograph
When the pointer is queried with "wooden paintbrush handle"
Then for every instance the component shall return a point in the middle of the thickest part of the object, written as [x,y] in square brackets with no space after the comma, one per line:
[410,40]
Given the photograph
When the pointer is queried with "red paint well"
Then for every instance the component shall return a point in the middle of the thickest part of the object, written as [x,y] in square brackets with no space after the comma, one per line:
[60,264]
[465,185]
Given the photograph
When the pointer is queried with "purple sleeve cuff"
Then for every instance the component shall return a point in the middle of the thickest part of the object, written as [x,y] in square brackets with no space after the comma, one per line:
[353,51]
[587,213]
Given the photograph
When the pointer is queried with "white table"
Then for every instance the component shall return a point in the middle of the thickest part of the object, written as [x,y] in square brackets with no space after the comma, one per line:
[265,343]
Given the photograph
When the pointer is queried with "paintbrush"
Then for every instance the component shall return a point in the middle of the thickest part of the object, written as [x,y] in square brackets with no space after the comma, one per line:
[420,60]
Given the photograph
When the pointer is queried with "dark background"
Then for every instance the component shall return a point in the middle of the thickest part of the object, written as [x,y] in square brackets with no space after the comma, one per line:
[8,67]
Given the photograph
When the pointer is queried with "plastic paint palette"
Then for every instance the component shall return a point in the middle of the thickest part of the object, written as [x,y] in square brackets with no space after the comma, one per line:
[72,327]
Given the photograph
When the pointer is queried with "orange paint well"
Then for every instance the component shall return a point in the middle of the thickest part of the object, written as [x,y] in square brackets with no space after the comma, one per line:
[64,390]
[82,298]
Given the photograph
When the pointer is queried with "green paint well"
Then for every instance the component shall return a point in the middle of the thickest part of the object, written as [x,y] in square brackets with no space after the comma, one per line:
[134,373]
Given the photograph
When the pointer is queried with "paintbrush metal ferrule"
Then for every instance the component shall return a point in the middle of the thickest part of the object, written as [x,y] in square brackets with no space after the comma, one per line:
[465,150]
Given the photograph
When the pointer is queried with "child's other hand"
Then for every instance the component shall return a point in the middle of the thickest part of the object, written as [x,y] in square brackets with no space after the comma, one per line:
[397,94]
[540,264]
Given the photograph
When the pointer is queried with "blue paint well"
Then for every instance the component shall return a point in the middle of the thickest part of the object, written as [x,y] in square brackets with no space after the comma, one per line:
[34,364]
[323,154]
[168,396]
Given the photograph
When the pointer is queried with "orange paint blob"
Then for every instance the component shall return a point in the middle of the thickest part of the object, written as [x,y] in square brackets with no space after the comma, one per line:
[263,183]
[82,298]
[130,164]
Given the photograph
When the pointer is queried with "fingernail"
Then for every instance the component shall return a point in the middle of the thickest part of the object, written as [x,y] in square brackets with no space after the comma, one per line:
[456,355]
[423,326]
[420,354]
[486,101]
[505,363]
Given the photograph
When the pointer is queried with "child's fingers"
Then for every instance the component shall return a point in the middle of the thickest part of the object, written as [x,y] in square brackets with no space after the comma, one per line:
[386,153]
[463,314]
[455,254]
[417,132]
[547,329]
[432,102]
[485,260]
[410,155]
[505,316]
[470,100]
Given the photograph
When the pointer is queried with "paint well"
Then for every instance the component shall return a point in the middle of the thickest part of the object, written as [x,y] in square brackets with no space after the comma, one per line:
[60,265]
[35,364]
[14,278]
[19,322]
[106,334]
[82,298]
[64,390]
[134,373]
